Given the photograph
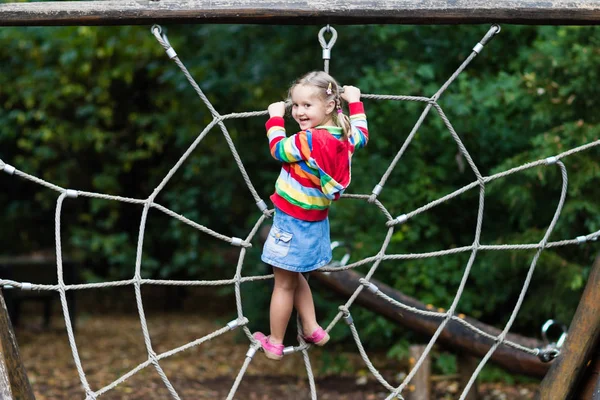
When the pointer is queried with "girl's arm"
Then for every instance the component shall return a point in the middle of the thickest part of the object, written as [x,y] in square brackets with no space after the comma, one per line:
[358,118]
[358,122]
[285,149]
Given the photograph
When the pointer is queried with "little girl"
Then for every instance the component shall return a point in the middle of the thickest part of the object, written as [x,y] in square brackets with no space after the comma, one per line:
[315,172]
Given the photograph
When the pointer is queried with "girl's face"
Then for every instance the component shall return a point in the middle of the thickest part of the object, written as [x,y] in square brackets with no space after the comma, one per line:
[309,109]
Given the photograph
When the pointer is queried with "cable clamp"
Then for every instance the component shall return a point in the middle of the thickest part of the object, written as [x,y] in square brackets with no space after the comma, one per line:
[72,193]
[401,219]
[581,239]
[171,53]
[262,206]
[26,286]
[251,352]
[372,288]
[9,169]
[348,319]
[237,241]
[478,47]
[551,160]
[377,189]
[326,54]
[288,350]
[236,322]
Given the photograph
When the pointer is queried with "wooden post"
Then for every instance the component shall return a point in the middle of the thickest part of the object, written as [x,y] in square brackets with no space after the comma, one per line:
[420,386]
[299,12]
[563,379]
[591,385]
[466,366]
[12,372]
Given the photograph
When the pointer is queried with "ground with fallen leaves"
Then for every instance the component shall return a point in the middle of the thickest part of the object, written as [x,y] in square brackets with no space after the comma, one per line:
[110,344]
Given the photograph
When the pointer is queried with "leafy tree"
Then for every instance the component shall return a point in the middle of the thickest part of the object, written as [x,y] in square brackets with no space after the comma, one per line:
[104,110]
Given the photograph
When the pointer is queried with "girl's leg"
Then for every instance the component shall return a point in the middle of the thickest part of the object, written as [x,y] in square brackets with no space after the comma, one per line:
[282,302]
[303,301]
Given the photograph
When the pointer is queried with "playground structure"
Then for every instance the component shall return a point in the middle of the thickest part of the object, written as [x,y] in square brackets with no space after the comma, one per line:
[584,332]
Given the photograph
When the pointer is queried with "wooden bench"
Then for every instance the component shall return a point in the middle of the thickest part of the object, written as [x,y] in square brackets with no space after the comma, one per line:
[36,270]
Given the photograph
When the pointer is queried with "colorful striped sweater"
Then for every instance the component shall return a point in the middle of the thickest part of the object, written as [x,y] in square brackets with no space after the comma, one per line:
[316,164]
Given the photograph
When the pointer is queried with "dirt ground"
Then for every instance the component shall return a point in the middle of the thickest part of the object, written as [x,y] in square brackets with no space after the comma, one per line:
[110,344]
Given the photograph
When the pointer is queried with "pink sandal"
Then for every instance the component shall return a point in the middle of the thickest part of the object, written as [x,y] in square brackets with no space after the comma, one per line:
[272,351]
[318,337]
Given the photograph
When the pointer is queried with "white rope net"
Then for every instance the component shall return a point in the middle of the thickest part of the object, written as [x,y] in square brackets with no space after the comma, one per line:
[244,243]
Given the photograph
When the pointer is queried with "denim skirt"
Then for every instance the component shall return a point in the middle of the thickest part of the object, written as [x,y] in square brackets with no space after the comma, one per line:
[297,245]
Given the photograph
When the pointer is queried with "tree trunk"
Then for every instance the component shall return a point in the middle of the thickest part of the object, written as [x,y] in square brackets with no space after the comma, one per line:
[457,337]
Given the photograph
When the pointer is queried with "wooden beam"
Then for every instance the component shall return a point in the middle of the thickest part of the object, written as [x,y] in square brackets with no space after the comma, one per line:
[12,371]
[455,336]
[281,12]
[564,377]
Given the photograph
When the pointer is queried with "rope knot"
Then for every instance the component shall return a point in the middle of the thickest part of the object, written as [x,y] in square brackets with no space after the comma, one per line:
[152,357]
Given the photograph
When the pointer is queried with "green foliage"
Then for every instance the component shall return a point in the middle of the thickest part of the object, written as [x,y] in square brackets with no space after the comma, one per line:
[445,363]
[104,110]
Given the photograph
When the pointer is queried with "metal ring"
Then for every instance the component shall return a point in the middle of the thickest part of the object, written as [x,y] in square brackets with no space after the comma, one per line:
[327,45]
[547,326]
[158,27]
[346,257]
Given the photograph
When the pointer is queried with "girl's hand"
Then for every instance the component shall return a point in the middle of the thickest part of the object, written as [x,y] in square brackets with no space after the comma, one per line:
[351,94]
[277,109]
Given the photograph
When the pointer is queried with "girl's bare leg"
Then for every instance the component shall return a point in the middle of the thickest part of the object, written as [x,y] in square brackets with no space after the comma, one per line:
[303,301]
[282,302]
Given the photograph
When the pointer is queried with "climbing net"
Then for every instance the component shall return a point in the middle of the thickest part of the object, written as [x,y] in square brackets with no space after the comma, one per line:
[366,283]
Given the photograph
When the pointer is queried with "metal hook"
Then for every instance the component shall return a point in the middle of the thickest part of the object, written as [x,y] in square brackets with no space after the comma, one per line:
[327,45]
[344,260]
[156,27]
[562,337]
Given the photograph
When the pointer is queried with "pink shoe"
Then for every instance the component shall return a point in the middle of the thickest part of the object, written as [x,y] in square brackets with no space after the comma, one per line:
[318,337]
[272,351]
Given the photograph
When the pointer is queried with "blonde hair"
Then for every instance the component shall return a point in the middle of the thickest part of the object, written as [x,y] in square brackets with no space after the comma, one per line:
[323,81]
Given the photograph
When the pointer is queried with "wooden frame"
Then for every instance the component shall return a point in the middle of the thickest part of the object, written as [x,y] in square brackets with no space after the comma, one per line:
[279,12]
[564,379]
[14,383]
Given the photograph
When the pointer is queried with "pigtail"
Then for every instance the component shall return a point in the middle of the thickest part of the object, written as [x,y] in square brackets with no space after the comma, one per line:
[341,119]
